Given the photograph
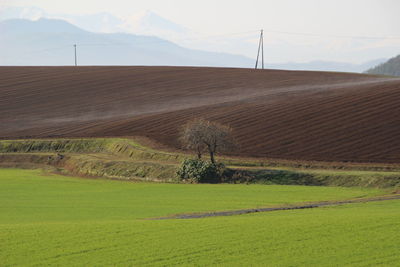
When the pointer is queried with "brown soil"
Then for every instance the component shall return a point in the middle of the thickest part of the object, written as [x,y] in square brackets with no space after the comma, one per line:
[293,115]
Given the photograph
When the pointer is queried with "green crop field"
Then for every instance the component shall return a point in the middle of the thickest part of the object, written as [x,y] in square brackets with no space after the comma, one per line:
[51,220]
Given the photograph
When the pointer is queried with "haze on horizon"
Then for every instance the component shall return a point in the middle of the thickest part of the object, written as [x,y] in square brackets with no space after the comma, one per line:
[295,31]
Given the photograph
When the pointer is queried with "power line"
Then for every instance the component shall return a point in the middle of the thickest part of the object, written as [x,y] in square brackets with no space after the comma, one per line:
[46,50]
[224,35]
[220,35]
[335,36]
[152,39]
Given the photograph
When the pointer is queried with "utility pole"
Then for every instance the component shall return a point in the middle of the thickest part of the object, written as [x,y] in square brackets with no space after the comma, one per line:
[260,48]
[76,62]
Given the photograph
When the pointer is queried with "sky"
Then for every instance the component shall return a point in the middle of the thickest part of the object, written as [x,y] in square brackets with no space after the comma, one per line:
[295,30]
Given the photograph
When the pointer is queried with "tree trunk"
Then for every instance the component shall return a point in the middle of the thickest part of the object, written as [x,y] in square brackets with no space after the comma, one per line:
[198,152]
[211,151]
[212,157]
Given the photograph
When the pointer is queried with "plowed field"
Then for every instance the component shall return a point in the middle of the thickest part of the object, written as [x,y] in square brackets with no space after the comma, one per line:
[276,114]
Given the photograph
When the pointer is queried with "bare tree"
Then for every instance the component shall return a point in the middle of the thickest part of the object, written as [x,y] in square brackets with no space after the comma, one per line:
[200,135]
[192,136]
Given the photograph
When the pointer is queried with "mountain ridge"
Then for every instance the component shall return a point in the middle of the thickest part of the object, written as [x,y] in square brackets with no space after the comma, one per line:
[390,67]
[42,44]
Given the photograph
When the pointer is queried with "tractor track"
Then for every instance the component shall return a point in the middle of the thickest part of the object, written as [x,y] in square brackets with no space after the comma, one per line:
[282,208]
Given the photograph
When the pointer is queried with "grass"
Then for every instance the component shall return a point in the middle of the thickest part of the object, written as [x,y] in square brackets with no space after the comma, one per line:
[117,147]
[29,194]
[135,150]
[320,177]
[127,159]
[51,220]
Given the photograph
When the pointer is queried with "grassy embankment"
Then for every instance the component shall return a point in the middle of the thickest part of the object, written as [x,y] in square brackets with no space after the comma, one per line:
[111,158]
[127,159]
[62,221]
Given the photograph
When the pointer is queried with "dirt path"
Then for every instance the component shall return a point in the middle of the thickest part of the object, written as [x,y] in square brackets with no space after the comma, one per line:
[289,207]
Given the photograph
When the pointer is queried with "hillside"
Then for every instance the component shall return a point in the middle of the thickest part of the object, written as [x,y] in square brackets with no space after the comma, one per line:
[391,67]
[275,114]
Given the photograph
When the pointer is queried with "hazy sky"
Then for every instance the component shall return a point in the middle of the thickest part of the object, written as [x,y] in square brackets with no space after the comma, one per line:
[321,17]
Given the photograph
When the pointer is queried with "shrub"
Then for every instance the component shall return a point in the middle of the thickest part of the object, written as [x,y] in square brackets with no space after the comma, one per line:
[199,171]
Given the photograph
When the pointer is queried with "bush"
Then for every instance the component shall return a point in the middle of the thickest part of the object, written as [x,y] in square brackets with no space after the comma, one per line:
[199,171]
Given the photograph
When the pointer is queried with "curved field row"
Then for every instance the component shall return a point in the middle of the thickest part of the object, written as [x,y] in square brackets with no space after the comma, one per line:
[275,114]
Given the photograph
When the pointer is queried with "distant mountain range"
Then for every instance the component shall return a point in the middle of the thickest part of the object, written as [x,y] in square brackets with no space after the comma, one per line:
[391,67]
[50,42]
[328,66]
[142,23]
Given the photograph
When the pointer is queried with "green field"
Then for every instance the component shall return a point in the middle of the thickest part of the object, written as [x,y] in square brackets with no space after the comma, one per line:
[50,220]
